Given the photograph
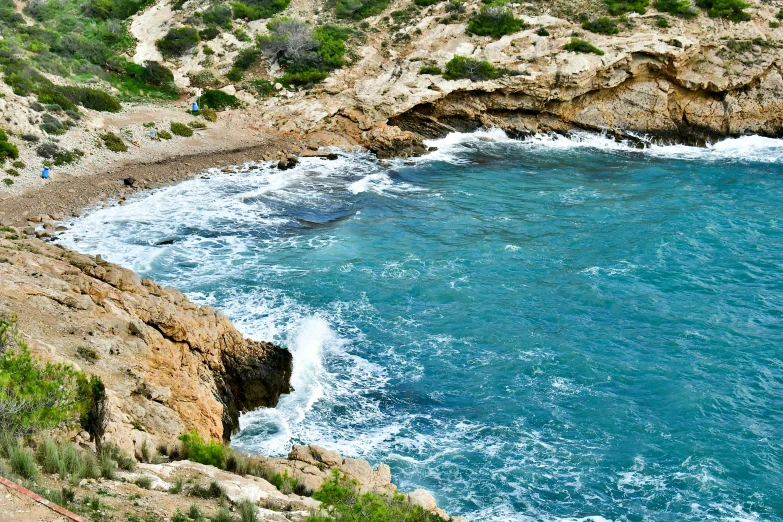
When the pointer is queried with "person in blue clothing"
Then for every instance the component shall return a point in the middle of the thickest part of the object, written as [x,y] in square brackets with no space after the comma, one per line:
[45,173]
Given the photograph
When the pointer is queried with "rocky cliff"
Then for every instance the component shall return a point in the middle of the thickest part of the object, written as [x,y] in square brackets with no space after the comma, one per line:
[169,366]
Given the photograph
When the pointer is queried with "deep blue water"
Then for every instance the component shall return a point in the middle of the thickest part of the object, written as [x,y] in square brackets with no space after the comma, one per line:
[542,330]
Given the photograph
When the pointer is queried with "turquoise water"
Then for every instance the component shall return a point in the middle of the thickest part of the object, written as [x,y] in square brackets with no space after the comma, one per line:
[541,330]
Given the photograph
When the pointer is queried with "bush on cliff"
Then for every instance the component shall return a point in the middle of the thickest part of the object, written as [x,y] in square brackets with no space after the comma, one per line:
[621,7]
[359,9]
[462,67]
[218,100]
[307,55]
[178,41]
[495,20]
[578,45]
[7,149]
[733,10]
[342,502]
[195,448]
[681,8]
[601,25]
[258,9]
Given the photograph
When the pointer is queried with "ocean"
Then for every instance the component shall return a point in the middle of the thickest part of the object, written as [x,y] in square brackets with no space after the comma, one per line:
[555,328]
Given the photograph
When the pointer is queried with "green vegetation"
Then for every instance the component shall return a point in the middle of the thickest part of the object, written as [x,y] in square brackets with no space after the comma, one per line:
[164,134]
[246,58]
[426,3]
[542,32]
[733,10]
[430,69]
[779,16]
[67,460]
[681,8]
[662,22]
[178,41]
[258,9]
[34,396]
[601,25]
[247,511]
[113,142]
[578,45]
[197,125]
[77,40]
[219,16]
[7,149]
[359,9]
[210,33]
[218,100]
[621,7]
[343,503]
[208,114]
[66,157]
[495,20]
[180,129]
[194,448]
[461,67]
[307,55]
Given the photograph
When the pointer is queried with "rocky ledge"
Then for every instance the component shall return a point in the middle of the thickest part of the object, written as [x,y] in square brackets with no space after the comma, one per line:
[169,365]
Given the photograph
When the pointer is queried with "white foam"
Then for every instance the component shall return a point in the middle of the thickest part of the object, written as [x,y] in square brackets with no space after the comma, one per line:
[746,148]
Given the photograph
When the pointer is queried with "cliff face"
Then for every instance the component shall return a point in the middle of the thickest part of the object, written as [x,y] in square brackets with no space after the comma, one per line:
[170,366]
[698,80]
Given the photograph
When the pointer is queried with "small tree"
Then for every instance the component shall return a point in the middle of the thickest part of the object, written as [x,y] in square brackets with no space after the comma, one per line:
[97,413]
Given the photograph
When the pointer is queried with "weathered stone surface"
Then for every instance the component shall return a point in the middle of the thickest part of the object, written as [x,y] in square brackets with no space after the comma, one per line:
[169,365]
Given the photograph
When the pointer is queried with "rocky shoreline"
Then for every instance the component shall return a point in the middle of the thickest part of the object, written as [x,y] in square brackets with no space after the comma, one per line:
[169,367]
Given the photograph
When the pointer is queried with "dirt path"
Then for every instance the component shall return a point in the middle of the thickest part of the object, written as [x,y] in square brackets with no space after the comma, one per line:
[149,26]
[21,508]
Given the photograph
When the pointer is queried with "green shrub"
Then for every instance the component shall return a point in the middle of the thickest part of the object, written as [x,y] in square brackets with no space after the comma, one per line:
[305,64]
[578,45]
[208,114]
[176,488]
[178,41]
[247,511]
[197,125]
[342,502]
[116,9]
[164,134]
[67,157]
[23,463]
[112,452]
[733,10]
[246,58]
[52,96]
[495,20]
[234,75]
[212,491]
[7,149]
[542,32]
[258,9]
[241,35]
[426,3]
[218,100]
[194,448]
[144,482]
[18,164]
[681,8]
[113,142]
[430,69]
[8,181]
[66,460]
[218,16]
[157,74]
[194,512]
[180,129]
[662,22]
[461,67]
[359,9]
[12,172]
[779,16]
[203,78]
[94,99]
[34,396]
[210,33]
[262,88]
[621,7]
[601,25]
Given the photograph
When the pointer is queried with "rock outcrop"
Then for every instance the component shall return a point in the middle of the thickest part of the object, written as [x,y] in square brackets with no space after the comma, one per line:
[170,366]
